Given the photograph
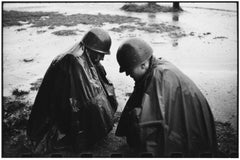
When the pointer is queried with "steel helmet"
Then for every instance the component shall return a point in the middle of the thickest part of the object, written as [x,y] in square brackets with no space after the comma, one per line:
[97,40]
[132,53]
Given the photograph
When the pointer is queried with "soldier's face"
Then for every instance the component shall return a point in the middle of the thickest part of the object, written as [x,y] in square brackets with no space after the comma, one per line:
[137,72]
[95,56]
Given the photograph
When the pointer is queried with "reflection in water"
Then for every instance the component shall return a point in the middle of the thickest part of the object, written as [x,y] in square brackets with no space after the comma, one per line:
[175,19]
[152,15]
[152,18]
[175,16]
[175,42]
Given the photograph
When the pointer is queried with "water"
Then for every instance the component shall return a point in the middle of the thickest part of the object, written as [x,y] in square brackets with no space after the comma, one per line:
[217,18]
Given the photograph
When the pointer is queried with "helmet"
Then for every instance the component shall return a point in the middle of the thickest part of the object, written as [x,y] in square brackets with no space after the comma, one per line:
[132,53]
[97,40]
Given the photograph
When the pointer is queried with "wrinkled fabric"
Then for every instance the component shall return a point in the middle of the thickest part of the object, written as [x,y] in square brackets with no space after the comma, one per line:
[75,101]
[168,114]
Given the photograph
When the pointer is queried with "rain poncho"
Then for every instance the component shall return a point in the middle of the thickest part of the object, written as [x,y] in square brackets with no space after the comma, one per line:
[167,114]
[75,102]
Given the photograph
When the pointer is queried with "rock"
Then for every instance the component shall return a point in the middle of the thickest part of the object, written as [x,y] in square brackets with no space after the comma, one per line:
[28,60]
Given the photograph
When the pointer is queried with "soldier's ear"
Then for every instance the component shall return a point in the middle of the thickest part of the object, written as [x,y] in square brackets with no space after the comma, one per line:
[145,65]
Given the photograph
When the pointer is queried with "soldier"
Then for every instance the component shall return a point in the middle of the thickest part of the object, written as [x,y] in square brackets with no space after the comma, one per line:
[166,114]
[75,103]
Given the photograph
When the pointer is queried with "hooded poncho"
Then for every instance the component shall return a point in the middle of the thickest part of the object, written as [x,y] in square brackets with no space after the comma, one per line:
[75,102]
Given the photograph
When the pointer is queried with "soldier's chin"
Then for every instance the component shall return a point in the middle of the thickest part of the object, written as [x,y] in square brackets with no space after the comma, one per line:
[95,61]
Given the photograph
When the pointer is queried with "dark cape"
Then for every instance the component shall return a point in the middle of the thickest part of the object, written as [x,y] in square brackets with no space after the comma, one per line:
[75,104]
[167,114]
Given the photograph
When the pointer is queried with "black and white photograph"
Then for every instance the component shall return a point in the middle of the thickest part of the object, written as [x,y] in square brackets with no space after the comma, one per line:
[120,79]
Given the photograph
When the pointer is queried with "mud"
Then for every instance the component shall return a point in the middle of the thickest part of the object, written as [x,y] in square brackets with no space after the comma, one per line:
[36,85]
[227,138]
[18,92]
[174,31]
[16,111]
[65,32]
[12,18]
[53,19]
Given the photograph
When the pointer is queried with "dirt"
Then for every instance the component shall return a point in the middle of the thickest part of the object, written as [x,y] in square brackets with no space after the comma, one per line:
[53,19]
[173,31]
[227,138]
[36,85]
[13,18]
[18,92]
[65,32]
[16,110]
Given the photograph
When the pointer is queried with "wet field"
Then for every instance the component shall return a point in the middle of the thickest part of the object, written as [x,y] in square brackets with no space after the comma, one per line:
[201,41]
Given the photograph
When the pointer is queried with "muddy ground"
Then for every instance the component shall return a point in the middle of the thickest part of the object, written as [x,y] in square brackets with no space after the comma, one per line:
[16,112]
[16,108]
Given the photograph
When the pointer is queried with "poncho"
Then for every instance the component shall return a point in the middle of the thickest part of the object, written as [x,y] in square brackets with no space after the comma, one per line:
[167,114]
[75,102]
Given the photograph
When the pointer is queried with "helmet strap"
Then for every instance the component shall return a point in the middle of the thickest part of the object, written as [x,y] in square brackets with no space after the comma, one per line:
[86,53]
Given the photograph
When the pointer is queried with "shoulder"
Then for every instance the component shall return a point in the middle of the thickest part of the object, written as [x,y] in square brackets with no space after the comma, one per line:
[165,73]
[165,68]
[63,59]
[64,62]
[70,55]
